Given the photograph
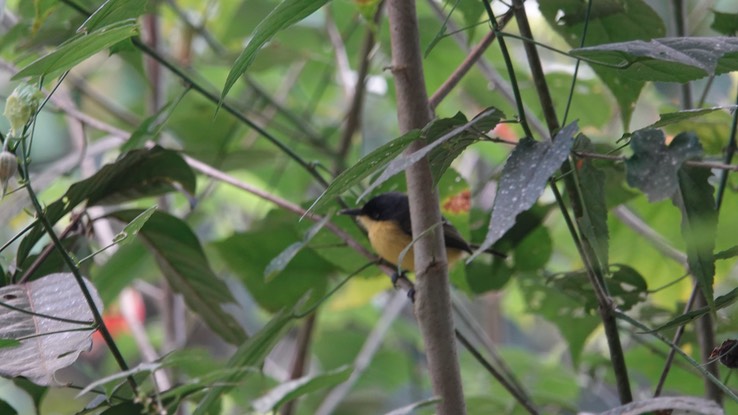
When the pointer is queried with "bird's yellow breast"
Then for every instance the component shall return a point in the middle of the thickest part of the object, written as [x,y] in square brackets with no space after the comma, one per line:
[388,240]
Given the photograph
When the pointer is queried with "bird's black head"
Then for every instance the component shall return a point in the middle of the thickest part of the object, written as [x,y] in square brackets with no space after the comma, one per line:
[387,206]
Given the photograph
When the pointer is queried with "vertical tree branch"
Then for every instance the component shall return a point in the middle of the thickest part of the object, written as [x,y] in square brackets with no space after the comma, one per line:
[589,257]
[433,301]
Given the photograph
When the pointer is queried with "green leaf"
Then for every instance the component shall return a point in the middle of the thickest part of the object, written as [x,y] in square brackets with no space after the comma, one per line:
[287,13]
[727,253]
[152,126]
[626,286]
[524,178]
[446,139]
[410,409]
[130,262]
[699,225]
[126,408]
[131,230]
[675,117]
[610,21]
[79,49]
[249,254]
[725,23]
[593,219]
[113,11]
[720,303]
[280,262]
[293,389]
[250,354]
[185,266]
[9,343]
[653,166]
[365,167]
[559,308]
[680,59]
[137,174]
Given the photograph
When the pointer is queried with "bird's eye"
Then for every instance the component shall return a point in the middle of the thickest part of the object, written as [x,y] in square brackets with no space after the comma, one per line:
[375,215]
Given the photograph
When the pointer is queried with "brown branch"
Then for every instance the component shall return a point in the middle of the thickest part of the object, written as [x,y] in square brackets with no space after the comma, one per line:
[433,300]
[353,117]
[467,63]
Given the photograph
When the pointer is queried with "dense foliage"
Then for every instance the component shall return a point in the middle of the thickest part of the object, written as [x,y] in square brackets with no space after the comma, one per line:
[178,165]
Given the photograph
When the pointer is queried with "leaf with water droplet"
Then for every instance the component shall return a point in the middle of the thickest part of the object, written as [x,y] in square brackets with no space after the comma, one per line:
[524,178]
[653,166]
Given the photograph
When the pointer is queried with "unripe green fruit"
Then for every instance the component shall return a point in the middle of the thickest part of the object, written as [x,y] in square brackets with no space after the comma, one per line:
[8,168]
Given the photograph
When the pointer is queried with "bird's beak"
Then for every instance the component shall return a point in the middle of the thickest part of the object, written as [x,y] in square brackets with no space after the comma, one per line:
[350,212]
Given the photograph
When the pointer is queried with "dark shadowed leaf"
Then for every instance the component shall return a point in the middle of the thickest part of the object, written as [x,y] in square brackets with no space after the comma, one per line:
[137,174]
[287,13]
[720,302]
[725,23]
[680,59]
[250,354]
[293,389]
[654,165]
[593,219]
[675,117]
[113,11]
[446,139]
[524,178]
[364,168]
[79,49]
[609,21]
[127,408]
[699,225]
[185,266]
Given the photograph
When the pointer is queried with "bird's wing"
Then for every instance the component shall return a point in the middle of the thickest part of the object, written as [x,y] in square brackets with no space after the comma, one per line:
[454,238]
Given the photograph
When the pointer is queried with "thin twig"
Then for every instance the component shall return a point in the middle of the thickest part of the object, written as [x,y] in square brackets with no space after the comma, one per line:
[353,117]
[471,58]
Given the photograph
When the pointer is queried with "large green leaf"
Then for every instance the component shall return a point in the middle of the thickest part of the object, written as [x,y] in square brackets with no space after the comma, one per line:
[610,21]
[558,308]
[287,13]
[524,178]
[720,302]
[365,167]
[79,49]
[446,138]
[185,266]
[680,59]
[675,117]
[293,389]
[250,354]
[626,287]
[725,23]
[593,218]
[249,254]
[138,173]
[699,225]
[113,11]
[653,166]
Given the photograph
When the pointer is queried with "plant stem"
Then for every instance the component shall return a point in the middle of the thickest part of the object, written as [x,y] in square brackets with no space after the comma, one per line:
[593,264]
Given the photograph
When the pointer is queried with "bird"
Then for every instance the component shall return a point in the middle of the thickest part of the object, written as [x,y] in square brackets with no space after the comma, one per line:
[386,218]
